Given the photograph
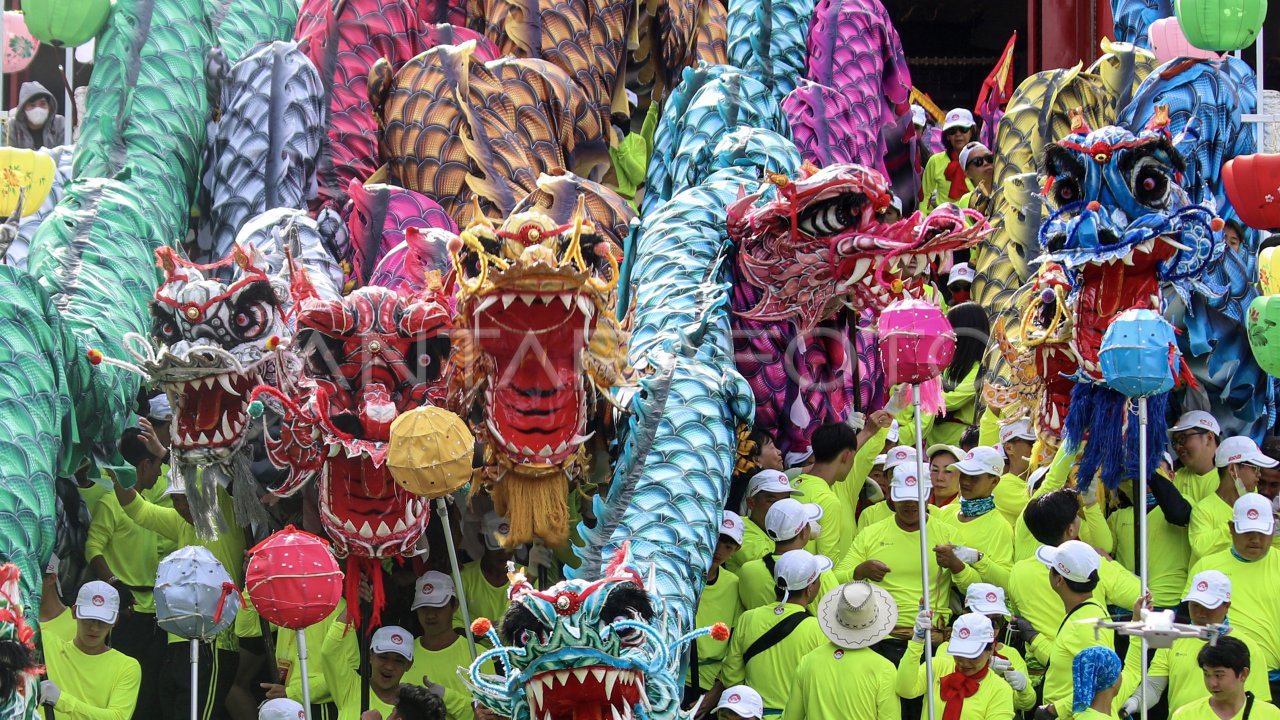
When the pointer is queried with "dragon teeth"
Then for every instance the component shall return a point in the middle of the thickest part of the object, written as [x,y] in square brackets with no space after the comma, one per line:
[399,526]
[610,679]
[545,452]
[535,690]
[225,381]
[383,529]
[598,673]
[581,674]
[507,300]
[567,301]
[528,298]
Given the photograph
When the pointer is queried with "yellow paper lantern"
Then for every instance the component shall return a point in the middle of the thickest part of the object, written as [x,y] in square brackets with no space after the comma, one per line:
[431,451]
[21,169]
[1269,271]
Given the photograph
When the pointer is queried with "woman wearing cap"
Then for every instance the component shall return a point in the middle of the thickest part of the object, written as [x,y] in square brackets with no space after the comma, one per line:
[960,381]
[845,678]
[979,168]
[970,691]
[1016,442]
[944,178]
[719,602]
[943,475]
[763,490]
[984,540]
[1240,463]
[86,679]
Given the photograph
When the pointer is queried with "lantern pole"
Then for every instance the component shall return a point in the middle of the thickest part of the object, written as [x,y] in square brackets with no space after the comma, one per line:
[923,499]
[1140,522]
[302,668]
[443,509]
[195,678]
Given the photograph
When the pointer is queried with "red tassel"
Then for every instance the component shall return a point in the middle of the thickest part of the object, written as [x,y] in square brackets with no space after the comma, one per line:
[356,567]
[227,589]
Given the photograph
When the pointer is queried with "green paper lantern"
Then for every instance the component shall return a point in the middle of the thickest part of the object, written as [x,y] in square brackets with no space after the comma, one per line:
[68,23]
[1221,25]
[1263,326]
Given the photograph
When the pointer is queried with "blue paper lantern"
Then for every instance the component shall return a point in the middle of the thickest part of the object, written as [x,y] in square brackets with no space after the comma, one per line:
[195,598]
[1139,353]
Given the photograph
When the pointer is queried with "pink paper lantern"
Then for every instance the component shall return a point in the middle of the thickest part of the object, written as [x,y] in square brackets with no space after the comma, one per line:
[916,341]
[1169,42]
[292,579]
[19,46]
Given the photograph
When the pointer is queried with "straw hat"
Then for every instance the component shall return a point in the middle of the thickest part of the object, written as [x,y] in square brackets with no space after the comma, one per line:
[857,615]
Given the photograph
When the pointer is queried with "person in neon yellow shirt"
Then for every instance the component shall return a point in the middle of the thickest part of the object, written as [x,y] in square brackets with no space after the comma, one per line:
[739,703]
[1240,464]
[979,693]
[86,679]
[1226,667]
[834,445]
[984,540]
[1073,572]
[1176,668]
[1194,439]
[485,580]
[1168,514]
[1053,520]
[390,657]
[765,488]
[719,602]
[943,475]
[888,554]
[443,647]
[845,678]
[769,670]
[1097,672]
[988,599]
[944,179]
[791,524]
[1011,494]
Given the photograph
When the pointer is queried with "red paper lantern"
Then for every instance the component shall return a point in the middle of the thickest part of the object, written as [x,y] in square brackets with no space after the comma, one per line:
[292,579]
[1252,183]
[916,341]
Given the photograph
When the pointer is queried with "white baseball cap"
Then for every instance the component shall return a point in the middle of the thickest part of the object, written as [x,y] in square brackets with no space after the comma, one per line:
[904,485]
[958,117]
[788,517]
[981,460]
[434,589]
[281,709]
[493,526]
[158,408]
[987,599]
[1073,560]
[932,450]
[880,460]
[971,635]
[1252,513]
[918,115]
[798,569]
[392,638]
[1017,430]
[798,457]
[1210,588]
[771,481]
[962,272]
[899,455]
[1035,477]
[731,526]
[1196,420]
[969,150]
[1241,449]
[741,701]
[97,601]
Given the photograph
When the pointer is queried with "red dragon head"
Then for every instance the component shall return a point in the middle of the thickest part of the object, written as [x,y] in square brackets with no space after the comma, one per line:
[535,322]
[369,357]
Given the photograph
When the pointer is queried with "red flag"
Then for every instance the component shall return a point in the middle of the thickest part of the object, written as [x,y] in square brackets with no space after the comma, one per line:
[998,87]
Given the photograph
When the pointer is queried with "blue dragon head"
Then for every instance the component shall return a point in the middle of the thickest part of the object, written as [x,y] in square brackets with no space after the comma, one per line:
[583,650]
[1121,224]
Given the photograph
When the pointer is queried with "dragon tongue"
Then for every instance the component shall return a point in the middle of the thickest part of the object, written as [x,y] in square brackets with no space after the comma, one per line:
[590,711]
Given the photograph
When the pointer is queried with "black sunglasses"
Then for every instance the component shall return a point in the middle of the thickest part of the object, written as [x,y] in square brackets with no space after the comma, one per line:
[955,130]
[979,162]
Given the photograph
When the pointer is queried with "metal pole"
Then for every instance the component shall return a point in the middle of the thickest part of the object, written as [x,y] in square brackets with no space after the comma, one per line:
[195,679]
[69,70]
[302,669]
[923,499]
[1140,522]
[443,509]
[1259,64]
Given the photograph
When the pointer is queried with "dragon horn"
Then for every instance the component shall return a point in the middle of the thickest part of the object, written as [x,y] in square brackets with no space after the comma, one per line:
[166,260]
[1160,120]
[1079,125]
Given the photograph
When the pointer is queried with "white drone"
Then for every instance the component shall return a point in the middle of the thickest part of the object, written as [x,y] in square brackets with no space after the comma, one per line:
[1159,629]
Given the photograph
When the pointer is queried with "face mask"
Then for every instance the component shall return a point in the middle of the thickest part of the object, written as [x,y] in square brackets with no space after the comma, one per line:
[37,116]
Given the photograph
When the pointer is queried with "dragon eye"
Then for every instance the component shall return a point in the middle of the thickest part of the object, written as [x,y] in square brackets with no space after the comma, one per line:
[1150,186]
[628,635]
[249,322]
[243,320]
[1066,191]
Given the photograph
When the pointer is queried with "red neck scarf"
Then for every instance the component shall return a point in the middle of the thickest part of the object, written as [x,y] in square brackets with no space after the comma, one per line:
[955,688]
[955,174]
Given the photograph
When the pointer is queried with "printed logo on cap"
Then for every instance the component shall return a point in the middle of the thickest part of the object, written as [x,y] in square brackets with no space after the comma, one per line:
[1202,586]
[302,715]
[397,639]
[969,455]
[839,654]
[991,597]
[910,481]
[428,588]
[727,524]
[1062,568]
[1252,514]
[1204,423]
[899,454]
[504,528]
[1234,458]
[963,633]
[99,601]
[735,698]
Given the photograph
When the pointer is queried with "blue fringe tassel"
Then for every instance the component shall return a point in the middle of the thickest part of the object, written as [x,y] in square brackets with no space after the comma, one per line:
[1109,422]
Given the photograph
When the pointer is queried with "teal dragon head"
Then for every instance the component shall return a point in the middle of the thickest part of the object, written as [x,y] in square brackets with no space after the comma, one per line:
[583,650]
